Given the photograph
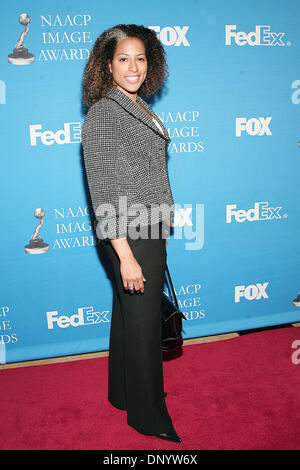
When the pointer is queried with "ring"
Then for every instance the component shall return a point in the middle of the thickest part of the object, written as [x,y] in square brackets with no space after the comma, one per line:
[131,286]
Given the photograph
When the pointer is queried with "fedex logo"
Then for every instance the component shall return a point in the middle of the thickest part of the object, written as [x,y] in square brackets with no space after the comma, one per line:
[70,134]
[85,316]
[260,211]
[262,36]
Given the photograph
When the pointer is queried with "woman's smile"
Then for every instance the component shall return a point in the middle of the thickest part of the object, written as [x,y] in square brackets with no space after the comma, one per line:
[133,79]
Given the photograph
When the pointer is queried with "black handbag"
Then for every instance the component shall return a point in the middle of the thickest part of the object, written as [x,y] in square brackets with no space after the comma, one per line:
[171,319]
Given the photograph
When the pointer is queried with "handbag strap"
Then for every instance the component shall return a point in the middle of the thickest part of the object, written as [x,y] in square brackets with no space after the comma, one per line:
[171,285]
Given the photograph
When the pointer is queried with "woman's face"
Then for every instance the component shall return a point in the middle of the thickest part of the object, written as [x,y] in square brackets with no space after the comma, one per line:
[129,66]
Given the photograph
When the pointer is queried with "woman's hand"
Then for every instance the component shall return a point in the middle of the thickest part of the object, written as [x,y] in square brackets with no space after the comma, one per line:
[131,271]
[132,275]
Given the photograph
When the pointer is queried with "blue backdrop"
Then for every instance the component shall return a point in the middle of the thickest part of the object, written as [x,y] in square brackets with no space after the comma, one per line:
[231,106]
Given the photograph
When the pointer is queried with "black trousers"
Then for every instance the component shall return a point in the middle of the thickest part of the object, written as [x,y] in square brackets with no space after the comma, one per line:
[135,376]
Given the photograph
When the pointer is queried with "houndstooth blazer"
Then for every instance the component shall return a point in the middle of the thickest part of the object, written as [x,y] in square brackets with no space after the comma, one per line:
[125,158]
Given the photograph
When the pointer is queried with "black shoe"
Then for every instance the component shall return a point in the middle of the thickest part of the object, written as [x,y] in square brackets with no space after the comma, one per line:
[172,436]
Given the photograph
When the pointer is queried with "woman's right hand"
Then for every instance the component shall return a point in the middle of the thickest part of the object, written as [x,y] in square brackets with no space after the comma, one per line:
[132,274]
[130,269]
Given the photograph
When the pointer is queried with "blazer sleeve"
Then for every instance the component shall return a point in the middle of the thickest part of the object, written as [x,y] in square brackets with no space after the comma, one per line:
[100,149]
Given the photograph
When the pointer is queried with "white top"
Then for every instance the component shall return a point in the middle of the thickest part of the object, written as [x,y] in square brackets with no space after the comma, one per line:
[158,125]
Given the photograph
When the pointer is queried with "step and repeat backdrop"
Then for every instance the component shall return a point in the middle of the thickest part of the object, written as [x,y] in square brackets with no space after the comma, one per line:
[231,107]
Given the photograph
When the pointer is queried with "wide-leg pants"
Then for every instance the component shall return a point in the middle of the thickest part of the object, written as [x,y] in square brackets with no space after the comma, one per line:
[135,376]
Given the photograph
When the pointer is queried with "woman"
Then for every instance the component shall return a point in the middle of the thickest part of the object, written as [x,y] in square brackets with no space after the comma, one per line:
[125,155]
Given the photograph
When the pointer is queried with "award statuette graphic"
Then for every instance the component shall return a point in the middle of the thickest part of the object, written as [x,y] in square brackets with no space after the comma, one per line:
[36,245]
[20,55]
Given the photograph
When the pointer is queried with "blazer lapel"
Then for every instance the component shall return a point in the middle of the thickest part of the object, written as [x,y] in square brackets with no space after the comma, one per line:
[133,108]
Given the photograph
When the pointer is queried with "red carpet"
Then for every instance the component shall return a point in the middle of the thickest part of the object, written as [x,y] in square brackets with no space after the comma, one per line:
[240,393]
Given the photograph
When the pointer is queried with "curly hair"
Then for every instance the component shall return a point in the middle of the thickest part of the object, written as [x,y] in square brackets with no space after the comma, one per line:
[97,78]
